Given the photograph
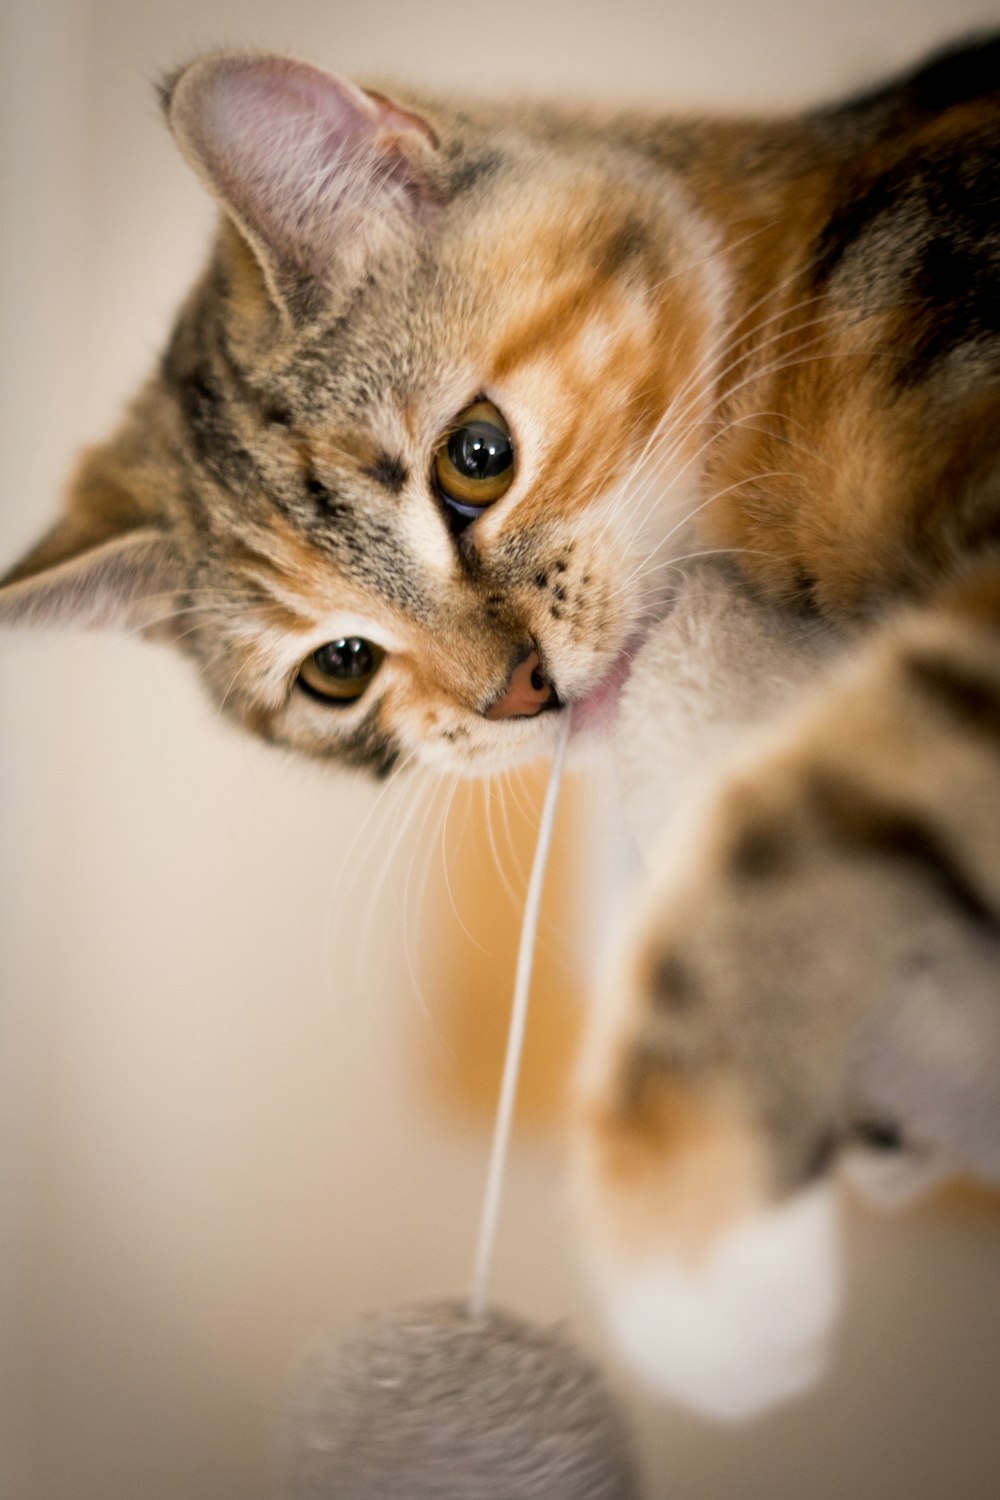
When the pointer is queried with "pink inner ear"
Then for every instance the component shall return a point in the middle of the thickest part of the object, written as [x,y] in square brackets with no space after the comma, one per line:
[302,158]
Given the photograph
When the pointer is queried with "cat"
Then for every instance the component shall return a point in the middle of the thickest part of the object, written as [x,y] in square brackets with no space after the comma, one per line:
[458,388]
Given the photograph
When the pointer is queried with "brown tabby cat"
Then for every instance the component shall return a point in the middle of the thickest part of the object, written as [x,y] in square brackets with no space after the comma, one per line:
[457,384]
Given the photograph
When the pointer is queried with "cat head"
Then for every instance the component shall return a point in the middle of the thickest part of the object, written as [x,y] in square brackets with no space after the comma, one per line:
[396,483]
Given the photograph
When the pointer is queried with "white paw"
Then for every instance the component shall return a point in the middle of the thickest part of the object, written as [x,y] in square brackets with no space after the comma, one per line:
[746,1328]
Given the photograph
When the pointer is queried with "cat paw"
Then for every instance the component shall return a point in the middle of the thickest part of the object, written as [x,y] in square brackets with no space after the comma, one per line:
[720,1292]
[811,979]
[743,1325]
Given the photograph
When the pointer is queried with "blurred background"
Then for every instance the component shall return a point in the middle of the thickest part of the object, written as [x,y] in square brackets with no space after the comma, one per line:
[247,1046]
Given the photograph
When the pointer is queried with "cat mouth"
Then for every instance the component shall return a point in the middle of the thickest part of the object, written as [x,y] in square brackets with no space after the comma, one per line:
[596,711]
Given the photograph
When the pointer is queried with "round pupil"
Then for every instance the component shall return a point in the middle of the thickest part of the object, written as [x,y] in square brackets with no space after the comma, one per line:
[347,659]
[480,450]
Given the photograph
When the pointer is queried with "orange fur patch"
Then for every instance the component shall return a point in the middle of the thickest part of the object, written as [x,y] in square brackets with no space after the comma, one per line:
[667,1165]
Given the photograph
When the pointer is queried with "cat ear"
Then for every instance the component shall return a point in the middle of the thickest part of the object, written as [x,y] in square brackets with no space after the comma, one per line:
[104,561]
[309,167]
[84,574]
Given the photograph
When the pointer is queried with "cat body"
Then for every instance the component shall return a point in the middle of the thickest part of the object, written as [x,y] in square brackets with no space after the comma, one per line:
[458,389]
[790,996]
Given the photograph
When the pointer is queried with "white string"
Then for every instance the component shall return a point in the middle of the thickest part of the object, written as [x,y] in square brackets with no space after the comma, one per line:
[490,1212]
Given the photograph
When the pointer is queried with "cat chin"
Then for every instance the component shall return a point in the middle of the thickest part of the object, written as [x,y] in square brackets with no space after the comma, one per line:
[595,715]
[505,750]
[747,1328]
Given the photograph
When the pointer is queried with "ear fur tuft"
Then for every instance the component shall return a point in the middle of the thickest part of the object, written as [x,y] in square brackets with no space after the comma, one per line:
[105,557]
[66,580]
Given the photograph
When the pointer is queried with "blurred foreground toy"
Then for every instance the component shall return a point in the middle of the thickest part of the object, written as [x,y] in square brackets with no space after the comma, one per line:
[435,1403]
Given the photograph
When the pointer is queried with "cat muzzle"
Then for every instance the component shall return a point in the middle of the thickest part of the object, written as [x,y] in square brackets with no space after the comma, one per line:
[528,691]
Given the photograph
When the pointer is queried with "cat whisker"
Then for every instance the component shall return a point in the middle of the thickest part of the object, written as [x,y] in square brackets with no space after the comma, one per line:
[691,394]
[519,795]
[423,849]
[726,339]
[252,660]
[444,846]
[673,562]
[703,504]
[768,368]
[519,871]
[690,391]
[421,803]
[367,838]
[721,252]
[779,436]
[215,610]
[494,793]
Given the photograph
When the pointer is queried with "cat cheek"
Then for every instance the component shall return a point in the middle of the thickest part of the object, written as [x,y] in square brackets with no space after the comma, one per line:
[745,1328]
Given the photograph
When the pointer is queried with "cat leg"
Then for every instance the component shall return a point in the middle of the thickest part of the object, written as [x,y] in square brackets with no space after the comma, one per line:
[815,973]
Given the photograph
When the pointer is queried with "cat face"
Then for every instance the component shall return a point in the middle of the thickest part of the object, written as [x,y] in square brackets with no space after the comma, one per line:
[397,485]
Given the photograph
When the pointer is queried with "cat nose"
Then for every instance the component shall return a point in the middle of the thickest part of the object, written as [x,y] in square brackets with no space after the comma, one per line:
[527,693]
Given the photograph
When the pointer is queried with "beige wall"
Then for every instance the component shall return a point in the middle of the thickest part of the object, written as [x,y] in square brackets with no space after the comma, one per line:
[212,1133]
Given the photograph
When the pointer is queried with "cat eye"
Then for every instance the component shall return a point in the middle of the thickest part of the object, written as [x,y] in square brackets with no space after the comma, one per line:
[474,465]
[340,671]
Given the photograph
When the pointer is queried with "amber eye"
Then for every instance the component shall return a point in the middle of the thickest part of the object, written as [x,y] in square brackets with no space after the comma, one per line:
[474,465]
[340,671]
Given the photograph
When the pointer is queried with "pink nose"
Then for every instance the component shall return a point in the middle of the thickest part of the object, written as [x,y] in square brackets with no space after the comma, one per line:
[527,692]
